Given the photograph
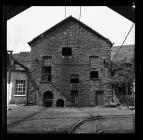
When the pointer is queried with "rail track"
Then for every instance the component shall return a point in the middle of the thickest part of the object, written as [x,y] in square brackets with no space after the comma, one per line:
[98,118]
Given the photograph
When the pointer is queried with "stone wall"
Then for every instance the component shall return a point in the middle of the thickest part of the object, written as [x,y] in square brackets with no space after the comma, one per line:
[66,35]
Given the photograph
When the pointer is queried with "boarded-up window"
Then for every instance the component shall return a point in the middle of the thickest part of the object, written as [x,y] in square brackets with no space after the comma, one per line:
[94,62]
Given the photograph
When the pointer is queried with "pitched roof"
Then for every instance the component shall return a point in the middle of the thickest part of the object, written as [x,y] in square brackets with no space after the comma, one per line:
[23,58]
[19,65]
[125,54]
[66,20]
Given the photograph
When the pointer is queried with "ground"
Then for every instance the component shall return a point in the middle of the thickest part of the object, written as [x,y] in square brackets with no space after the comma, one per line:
[38,119]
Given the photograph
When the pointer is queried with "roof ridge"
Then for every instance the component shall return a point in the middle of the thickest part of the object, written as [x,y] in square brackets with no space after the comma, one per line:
[61,22]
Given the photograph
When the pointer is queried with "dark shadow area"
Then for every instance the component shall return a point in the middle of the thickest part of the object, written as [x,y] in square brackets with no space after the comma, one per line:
[48,99]
[60,103]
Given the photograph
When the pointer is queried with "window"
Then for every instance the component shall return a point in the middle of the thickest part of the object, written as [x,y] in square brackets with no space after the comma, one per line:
[94,74]
[94,61]
[74,78]
[46,68]
[66,51]
[20,87]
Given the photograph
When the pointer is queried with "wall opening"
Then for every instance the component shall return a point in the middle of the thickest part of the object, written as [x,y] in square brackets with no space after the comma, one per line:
[66,51]
[48,99]
[46,68]
[74,95]
[99,98]
[60,103]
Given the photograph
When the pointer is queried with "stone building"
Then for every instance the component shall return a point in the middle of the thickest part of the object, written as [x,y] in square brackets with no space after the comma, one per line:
[67,66]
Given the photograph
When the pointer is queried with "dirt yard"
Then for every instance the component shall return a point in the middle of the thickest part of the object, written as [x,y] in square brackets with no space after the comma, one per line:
[36,119]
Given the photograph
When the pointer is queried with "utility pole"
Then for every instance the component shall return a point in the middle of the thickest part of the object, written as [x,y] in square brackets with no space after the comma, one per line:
[9,66]
[9,74]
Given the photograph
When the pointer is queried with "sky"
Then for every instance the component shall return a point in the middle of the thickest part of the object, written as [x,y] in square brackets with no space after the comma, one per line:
[25,26]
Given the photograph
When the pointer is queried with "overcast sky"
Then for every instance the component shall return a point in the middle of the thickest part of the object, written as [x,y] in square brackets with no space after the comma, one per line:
[37,19]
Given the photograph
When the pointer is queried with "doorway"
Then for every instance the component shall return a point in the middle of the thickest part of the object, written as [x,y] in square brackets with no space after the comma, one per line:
[74,95]
[99,98]
[48,99]
[60,103]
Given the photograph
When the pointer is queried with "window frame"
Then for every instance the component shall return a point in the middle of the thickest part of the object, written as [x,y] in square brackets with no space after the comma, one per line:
[43,73]
[94,56]
[20,88]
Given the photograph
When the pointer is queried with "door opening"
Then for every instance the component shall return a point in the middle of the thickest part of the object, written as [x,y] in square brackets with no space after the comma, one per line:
[60,103]
[48,99]
[99,98]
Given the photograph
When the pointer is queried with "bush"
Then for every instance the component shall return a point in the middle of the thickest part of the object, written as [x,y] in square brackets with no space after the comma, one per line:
[131,101]
[123,100]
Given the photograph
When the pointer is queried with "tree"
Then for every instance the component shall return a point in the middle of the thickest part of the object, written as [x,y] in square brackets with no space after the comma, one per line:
[121,78]
[113,68]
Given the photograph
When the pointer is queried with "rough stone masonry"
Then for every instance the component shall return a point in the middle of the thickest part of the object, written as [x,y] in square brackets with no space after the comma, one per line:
[84,62]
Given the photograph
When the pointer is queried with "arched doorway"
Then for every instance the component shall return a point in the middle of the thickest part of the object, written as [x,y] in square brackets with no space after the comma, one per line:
[48,99]
[60,103]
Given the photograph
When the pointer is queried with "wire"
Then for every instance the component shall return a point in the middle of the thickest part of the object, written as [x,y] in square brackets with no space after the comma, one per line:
[123,41]
[66,29]
[65,12]
[78,34]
